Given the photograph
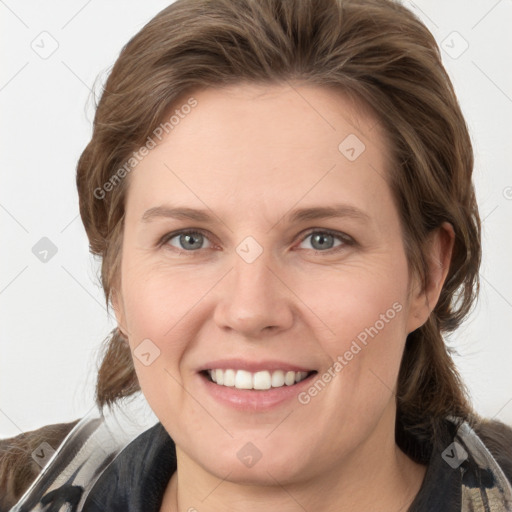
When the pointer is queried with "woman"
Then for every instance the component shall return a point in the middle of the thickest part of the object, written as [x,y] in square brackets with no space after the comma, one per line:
[281,193]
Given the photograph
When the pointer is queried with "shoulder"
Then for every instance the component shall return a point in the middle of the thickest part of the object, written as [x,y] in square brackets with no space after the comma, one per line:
[497,437]
[18,469]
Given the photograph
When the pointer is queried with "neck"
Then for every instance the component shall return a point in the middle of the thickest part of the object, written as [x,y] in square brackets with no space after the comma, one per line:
[379,477]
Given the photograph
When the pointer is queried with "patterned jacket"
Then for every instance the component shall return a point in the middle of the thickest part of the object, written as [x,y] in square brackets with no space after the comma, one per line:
[110,464]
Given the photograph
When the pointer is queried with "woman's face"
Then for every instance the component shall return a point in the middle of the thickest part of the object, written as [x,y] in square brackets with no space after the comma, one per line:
[262,282]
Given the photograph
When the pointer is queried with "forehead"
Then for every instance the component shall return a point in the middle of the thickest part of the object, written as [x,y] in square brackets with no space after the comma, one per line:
[265,145]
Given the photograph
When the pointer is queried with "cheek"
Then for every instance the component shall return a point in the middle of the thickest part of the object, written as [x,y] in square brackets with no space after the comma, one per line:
[365,314]
[157,311]
[164,315]
[156,306]
[350,300]
[158,299]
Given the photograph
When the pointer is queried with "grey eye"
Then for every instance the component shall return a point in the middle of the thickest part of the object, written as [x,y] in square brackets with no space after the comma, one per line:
[321,240]
[188,241]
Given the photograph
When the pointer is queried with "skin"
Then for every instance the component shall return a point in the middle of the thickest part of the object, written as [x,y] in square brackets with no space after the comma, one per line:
[250,154]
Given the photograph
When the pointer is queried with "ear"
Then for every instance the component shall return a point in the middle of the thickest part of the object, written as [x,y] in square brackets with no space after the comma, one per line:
[439,248]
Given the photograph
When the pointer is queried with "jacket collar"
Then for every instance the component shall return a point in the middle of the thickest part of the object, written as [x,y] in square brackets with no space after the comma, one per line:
[95,467]
[136,480]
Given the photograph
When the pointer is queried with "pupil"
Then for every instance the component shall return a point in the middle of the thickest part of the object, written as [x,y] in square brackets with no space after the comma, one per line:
[185,239]
[321,238]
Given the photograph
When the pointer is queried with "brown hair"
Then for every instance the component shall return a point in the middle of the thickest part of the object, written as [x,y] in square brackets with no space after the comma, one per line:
[18,468]
[376,50]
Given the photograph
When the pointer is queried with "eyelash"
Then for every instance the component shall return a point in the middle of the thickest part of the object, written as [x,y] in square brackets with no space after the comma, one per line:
[346,239]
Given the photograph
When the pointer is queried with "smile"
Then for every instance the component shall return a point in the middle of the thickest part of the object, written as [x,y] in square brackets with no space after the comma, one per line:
[261,380]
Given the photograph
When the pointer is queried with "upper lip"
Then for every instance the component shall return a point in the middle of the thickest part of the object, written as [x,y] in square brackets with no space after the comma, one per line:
[253,366]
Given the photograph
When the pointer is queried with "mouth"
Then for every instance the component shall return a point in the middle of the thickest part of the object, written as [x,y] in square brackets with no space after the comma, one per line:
[256,381]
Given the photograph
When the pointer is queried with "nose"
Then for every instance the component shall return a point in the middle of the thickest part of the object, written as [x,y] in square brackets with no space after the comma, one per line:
[254,300]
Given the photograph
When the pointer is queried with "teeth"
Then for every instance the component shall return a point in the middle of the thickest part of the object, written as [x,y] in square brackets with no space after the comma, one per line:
[242,379]
[262,380]
[277,379]
[289,378]
[229,378]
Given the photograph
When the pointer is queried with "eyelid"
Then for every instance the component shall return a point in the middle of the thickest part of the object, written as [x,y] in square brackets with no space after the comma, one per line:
[343,237]
[168,236]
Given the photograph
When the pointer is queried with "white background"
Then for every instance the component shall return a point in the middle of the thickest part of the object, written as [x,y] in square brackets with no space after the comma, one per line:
[52,315]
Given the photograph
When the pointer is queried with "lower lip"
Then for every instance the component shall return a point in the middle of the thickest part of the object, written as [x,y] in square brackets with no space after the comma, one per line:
[254,400]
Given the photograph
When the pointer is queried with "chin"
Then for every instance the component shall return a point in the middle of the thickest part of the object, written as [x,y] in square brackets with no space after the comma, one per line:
[243,463]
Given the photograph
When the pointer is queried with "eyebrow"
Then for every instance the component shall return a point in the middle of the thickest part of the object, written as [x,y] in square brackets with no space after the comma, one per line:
[297,215]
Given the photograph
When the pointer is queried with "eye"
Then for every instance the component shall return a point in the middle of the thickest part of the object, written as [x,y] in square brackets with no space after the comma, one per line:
[185,241]
[323,240]
[190,241]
